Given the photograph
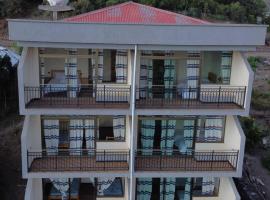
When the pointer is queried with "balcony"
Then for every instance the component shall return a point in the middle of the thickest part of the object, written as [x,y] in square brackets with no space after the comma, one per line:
[77,160]
[84,96]
[190,161]
[204,97]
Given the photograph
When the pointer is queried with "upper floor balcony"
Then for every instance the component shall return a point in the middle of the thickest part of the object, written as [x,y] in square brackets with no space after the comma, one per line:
[207,80]
[102,78]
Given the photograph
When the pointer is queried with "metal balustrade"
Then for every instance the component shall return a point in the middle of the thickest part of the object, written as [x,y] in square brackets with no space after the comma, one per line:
[173,160]
[201,97]
[48,96]
[78,160]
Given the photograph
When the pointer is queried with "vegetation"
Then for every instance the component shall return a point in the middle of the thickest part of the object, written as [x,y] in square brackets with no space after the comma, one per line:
[243,11]
[254,61]
[260,100]
[252,132]
[266,161]
[8,86]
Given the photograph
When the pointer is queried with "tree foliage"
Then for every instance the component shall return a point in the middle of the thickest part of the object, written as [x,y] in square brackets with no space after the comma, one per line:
[243,11]
[252,132]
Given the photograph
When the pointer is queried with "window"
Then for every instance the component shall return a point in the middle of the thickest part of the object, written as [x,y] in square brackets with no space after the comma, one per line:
[111,128]
[105,128]
[216,67]
[210,129]
[110,187]
[109,58]
[199,190]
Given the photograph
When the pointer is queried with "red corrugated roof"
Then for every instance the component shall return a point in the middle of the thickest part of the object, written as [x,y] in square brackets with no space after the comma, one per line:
[135,13]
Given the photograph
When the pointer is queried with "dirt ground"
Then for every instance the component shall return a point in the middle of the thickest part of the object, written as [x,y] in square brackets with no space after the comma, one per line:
[11,185]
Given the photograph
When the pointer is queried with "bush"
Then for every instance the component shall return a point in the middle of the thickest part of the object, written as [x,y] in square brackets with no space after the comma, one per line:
[254,61]
[252,132]
[266,161]
[260,100]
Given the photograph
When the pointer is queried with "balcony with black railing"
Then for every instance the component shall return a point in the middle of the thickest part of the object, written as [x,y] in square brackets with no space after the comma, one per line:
[83,160]
[172,160]
[82,96]
[204,97]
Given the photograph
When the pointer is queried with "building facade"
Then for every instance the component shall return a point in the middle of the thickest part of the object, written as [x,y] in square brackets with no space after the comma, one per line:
[131,102]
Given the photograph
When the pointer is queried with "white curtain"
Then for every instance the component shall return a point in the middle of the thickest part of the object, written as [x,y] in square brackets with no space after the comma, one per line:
[147,136]
[208,185]
[119,127]
[62,185]
[144,188]
[71,72]
[51,134]
[188,135]
[121,64]
[97,63]
[193,72]
[103,184]
[226,64]
[146,75]
[89,126]
[42,65]
[167,188]
[213,128]
[187,195]
[75,136]
[169,77]
[167,136]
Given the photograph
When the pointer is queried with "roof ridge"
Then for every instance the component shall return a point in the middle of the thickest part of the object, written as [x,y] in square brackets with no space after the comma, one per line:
[170,12]
[99,10]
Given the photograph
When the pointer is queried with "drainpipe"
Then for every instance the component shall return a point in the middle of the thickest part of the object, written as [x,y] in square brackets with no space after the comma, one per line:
[133,118]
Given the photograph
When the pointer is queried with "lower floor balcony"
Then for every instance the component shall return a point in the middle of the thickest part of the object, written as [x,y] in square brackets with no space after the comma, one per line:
[158,160]
[85,160]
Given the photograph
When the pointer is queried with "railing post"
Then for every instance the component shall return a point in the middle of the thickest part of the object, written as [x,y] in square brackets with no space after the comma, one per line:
[160,161]
[212,160]
[104,160]
[104,95]
[56,167]
[28,167]
[243,103]
[189,92]
[219,90]
[50,95]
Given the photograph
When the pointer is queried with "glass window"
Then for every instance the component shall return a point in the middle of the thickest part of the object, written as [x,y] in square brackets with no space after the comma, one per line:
[216,67]
[209,127]
[198,187]
[105,128]
[110,187]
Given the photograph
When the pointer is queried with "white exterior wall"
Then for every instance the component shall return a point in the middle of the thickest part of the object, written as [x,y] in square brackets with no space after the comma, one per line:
[227,191]
[242,75]
[34,190]
[30,139]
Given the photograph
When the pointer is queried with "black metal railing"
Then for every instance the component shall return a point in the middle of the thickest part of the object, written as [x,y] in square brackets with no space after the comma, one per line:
[80,96]
[77,160]
[183,97]
[173,160]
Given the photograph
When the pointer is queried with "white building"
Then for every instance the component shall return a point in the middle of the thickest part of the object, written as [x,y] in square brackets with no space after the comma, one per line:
[133,102]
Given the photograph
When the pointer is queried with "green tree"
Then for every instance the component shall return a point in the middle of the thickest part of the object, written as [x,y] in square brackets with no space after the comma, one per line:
[252,132]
